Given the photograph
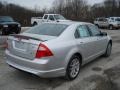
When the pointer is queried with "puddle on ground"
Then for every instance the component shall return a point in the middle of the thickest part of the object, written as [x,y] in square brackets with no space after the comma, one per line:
[97,69]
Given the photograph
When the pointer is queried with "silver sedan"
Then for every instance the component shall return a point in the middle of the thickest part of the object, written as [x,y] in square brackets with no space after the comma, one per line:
[57,49]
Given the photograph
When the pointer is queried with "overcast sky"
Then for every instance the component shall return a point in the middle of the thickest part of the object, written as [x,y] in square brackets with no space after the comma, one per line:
[40,3]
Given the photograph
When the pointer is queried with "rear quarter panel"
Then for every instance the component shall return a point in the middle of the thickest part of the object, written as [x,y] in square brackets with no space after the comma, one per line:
[63,47]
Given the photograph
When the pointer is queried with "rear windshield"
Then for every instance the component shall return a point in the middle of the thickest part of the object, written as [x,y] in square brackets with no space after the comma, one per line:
[48,29]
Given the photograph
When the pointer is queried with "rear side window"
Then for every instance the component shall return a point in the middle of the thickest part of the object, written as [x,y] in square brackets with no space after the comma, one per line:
[82,32]
[48,29]
[112,19]
[100,19]
[94,30]
[105,20]
[51,18]
[46,16]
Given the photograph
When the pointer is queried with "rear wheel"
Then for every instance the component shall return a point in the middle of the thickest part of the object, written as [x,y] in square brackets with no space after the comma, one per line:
[111,27]
[35,23]
[73,68]
[108,50]
[1,32]
[18,32]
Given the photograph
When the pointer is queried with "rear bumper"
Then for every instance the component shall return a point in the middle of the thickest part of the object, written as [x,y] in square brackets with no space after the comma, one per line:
[38,68]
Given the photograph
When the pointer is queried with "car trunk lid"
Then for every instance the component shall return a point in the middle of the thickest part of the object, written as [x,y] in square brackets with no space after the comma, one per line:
[25,45]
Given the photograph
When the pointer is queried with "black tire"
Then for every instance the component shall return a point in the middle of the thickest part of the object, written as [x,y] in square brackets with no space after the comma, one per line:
[18,32]
[1,32]
[111,27]
[76,67]
[108,50]
[97,25]
[34,24]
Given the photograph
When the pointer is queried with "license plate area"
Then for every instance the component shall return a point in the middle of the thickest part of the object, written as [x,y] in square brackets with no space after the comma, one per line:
[20,46]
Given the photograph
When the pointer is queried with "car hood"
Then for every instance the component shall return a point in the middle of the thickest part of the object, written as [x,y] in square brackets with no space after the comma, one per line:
[41,37]
[8,23]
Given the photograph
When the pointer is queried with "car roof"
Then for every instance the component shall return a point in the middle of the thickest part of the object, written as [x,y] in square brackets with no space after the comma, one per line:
[114,17]
[51,14]
[69,22]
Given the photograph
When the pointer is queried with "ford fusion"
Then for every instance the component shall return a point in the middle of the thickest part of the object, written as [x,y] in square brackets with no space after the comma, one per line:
[57,49]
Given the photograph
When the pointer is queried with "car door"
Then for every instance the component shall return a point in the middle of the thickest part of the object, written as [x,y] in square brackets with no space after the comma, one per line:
[100,42]
[51,18]
[106,23]
[85,42]
[45,18]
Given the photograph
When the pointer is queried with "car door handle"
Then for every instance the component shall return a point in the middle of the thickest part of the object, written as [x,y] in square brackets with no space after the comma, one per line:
[81,42]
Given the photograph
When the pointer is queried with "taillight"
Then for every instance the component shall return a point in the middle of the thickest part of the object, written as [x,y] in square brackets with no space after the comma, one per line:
[43,51]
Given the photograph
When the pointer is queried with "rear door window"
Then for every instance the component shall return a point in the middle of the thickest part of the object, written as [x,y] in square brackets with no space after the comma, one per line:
[82,32]
[46,16]
[101,19]
[51,18]
[94,30]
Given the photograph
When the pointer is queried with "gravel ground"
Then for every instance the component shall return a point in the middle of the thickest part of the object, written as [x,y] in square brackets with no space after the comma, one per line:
[101,74]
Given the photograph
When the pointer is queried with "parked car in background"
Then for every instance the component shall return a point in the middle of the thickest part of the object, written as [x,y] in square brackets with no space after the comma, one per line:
[111,22]
[101,22]
[57,49]
[47,18]
[114,22]
[9,26]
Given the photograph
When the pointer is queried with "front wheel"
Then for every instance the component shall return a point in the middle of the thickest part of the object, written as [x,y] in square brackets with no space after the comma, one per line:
[108,50]
[73,68]
[1,32]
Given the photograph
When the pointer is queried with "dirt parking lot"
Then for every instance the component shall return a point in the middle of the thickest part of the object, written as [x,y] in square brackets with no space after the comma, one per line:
[101,74]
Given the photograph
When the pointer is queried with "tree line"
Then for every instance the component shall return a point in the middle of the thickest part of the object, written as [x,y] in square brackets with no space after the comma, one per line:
[78,10]
[19,13]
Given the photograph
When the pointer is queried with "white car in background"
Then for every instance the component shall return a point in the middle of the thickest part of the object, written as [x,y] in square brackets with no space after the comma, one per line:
[114,22]
[47,18]
[111,22]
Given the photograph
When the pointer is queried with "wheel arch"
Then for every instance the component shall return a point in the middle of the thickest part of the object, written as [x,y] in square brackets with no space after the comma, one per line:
[71,55]
[34,23]
[80,56]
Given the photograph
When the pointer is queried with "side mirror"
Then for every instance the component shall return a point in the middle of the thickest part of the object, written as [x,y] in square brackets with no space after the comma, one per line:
[103,34]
